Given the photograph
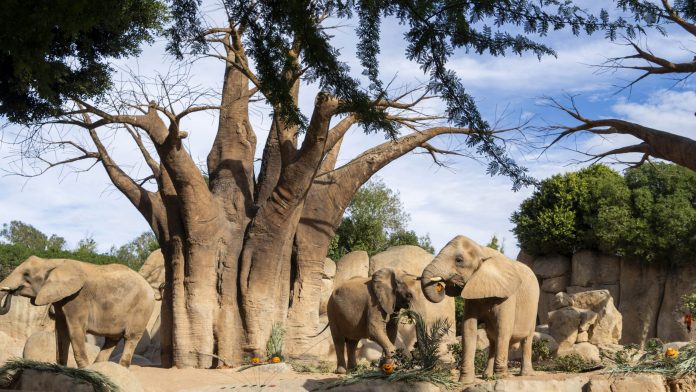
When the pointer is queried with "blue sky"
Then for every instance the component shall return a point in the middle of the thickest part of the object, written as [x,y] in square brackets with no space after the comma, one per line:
[442,201]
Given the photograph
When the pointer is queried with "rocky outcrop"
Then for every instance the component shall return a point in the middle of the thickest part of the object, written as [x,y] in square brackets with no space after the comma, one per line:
[607,328]
[670,324]
[643,382]
[22,321]
[119,375]
[41,347]
[646,295]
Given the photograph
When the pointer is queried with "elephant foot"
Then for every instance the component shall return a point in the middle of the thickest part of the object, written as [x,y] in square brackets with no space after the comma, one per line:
[466,379]
[502,374]
[340,370]
[488,373]
[527,372]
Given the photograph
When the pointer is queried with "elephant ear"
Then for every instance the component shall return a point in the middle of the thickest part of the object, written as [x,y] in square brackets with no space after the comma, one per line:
[383,286]
[496,277]
[62,281]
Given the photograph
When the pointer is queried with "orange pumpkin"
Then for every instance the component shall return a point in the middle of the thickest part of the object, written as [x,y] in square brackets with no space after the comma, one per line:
[439,287]
[255,361]
[672,353]
[388,368]
[275,359]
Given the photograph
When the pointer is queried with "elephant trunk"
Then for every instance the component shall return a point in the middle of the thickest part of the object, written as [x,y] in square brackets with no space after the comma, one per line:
[433,283]
[5,307]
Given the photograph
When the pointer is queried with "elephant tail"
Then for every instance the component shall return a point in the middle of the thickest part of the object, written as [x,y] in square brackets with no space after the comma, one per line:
[320,332]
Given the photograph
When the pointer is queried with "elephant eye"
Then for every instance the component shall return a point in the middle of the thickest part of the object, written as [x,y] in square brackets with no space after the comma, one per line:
[459,259]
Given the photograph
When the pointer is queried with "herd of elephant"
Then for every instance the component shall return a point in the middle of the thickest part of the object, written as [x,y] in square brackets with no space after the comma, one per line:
[115,302]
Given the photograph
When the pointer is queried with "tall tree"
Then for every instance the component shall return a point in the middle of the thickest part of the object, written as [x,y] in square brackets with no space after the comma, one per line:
[244,251]
[652,142]
[375,220]
[20,233]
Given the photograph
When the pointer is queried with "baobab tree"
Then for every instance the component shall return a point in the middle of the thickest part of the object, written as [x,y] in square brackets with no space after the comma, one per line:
[665,17]
[244,250]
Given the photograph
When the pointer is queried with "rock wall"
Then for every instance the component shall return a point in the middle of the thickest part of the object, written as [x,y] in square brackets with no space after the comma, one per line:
[646,295]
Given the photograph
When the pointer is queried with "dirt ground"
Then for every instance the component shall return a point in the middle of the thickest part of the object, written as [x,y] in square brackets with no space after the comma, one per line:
[262,378]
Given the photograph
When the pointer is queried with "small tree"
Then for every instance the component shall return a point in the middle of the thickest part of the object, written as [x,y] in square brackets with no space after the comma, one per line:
[375,220]
[137,250]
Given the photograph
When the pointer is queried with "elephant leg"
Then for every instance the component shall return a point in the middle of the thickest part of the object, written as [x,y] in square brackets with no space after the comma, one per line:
[491,359]
[77,333]
[527,368]
[339,345]
[128,348]
[62,339]
[107,349]
[502,350]
[392,329]
[378,333]
[467,371]
[352,346]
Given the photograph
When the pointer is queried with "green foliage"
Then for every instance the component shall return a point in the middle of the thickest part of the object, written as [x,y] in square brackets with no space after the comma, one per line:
[12,370]
[375,220]
[653,347]
[55,50]
[317,367]
[135,252]
[657,362]
[434,30]
[689,303]
[480,357]
[572,363]
[274,345]
[459,304]
[20,233]
[626,356]
[424,363]
[647,214]
[540,350]
[495,244]
[24,240]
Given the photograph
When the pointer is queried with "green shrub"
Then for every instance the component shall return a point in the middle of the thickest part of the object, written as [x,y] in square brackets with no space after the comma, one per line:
[647,214]
[572,363]
[541,350]
[480,358]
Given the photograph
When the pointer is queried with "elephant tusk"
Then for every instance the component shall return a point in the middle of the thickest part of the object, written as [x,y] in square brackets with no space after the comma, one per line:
[5,288]
[437,279]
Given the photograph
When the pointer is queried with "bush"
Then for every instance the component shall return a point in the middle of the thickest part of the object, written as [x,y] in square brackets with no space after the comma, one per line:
[572,363]
[540,350]
[480,358]
[647,214]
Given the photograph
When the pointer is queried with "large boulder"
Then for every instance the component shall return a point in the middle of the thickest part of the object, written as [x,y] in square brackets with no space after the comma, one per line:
[41,347]
[545,306]
[11,347]
[642,288]
[409,258]
[551,266]
[587,351]
[119,375]
[569,325]
[525,258]
[670,322]
[590,268]
[153,271]
[607,329]
[353,264]
[25,319]
[555,285]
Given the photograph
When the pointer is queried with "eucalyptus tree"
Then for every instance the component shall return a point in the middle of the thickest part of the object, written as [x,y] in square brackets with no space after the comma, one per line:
[244,250]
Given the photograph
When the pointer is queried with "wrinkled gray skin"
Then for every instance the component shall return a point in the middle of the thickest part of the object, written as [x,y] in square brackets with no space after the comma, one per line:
[365,308]
[502,293]
[105,300]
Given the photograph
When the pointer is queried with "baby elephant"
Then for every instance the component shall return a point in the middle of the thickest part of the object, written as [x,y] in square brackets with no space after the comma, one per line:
[367,308]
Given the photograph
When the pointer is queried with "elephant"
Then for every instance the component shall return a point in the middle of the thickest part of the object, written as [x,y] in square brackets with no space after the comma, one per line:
[367,308]
[110,300]
[497,291]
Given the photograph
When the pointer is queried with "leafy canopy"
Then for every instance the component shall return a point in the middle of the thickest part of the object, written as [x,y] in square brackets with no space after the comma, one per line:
[375,220]
[648,214]
[434,30]
[54,50]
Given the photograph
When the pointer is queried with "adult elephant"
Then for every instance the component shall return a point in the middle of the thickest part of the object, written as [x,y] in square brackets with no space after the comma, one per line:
[105,300]
[499,292]
[367,308]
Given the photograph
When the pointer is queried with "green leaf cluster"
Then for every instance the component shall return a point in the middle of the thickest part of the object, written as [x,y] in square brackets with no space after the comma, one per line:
[54,50]
[648,214]
[375,220]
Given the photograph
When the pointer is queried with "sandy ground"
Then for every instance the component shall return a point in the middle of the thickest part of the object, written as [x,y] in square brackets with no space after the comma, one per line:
[263,378]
